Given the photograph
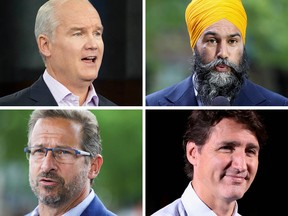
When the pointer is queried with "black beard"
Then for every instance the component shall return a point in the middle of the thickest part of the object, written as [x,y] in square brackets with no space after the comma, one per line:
[210,84]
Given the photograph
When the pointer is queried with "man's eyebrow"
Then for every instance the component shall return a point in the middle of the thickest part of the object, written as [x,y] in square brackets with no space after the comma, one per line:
[236,143]
[235,35]
[214,33]
[209,33]
[101,28]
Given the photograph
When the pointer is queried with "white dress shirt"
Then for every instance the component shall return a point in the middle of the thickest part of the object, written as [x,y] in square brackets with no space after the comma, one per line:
[64,97]
[189,205]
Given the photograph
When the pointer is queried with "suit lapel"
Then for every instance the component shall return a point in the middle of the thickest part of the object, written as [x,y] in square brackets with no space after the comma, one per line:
[181,95]
[96,207]
[41,94]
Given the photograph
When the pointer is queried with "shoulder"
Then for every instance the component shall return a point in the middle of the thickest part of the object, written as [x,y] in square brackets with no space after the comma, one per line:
[170,94]
[96,207]
[15,99]
[175,208]
[38,94]
[105,102]
[262,96]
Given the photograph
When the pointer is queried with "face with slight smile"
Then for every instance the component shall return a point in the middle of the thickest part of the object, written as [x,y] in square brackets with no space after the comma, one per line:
[226,165]
[76,49]
[220,62]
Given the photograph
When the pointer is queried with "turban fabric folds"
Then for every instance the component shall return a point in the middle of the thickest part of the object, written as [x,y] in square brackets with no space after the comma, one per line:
[200,14]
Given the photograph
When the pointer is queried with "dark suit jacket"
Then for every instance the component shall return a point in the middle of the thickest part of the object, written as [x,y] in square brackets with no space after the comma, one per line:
[182,94]
[38,94]
[95,208]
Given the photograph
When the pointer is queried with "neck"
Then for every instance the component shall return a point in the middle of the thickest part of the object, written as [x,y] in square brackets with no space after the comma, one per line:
[81,93]
[221,207]
[78,88]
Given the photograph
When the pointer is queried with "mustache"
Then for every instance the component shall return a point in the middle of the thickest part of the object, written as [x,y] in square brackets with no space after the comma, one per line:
[219,61]
[51,175]
[239,70]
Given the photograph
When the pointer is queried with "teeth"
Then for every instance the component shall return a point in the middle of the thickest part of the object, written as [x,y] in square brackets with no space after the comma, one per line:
[90,57]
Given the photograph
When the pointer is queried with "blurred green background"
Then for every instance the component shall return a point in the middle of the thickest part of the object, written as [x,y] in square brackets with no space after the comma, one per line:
[119,183]
[168,51]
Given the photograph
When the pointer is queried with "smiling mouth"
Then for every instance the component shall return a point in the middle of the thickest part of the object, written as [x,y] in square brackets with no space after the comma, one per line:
[237,179]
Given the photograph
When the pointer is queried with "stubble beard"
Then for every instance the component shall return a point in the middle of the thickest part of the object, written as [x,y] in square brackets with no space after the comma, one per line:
[210,84]
[56,196]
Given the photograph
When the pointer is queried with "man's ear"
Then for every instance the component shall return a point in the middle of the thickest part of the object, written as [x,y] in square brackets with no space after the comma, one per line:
[96,164]
[44,45]
[191,152]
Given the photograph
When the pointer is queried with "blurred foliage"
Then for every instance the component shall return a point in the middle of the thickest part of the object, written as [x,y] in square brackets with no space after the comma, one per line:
[167,43]
[119,183]
[267,31]
[168,51]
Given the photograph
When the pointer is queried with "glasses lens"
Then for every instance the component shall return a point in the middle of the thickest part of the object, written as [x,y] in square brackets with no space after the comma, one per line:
[63,155]
[37,153]
[27,152]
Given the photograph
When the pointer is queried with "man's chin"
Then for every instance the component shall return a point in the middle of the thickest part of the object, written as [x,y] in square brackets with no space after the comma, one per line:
[51,201]
[89,78]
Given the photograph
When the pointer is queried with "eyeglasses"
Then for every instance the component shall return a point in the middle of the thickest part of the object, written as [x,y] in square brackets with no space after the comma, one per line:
[61,155]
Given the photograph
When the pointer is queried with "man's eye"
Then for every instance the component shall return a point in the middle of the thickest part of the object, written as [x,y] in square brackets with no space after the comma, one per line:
[62,152]
[227,148]
[212,40]
[251,151]
[233,41]
[77,34]
[98,33]
[38,151]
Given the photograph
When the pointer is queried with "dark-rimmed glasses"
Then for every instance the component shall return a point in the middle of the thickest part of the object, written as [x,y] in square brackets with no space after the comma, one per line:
[61,155]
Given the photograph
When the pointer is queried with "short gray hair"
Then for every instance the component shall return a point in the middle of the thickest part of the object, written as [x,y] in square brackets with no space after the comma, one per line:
[46,21]
[91,140]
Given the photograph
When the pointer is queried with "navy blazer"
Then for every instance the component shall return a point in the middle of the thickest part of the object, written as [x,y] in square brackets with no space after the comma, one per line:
[182,94]
[38,94]
[97,208]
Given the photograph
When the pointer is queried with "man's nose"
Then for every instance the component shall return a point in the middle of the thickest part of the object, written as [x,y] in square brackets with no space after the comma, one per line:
[222,50]
[92,42]
[48,162]
[239,161]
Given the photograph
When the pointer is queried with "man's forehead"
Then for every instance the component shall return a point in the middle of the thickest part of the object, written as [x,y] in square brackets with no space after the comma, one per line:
[222,27]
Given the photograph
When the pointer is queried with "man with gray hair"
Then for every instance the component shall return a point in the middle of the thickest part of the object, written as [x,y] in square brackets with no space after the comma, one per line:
[69,38]
[64,153]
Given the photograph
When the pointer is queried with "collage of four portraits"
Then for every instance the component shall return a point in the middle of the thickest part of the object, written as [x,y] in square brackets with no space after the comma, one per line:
[114,108]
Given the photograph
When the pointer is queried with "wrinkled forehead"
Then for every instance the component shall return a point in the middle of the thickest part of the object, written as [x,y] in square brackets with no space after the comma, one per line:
[55,131]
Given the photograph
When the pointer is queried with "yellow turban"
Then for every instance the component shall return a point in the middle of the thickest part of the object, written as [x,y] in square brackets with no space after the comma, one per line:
[200,14]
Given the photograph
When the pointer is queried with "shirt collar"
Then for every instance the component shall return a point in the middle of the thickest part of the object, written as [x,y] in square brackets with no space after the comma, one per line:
[64,97]
[198,207]
[196,92]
